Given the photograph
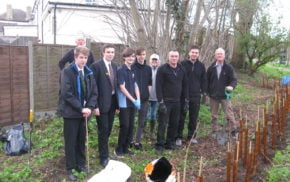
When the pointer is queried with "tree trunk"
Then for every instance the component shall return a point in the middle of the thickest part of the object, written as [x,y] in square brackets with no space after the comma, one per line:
[180,26]
[141,34]
[194,33]
[246,10]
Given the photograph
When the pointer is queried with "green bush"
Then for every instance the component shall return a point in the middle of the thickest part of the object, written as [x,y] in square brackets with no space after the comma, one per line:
[280,172]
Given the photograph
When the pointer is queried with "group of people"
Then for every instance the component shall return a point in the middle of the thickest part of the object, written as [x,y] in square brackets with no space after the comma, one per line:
[102,89]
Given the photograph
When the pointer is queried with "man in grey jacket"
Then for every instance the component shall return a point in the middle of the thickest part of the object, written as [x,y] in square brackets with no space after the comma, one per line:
[153,102]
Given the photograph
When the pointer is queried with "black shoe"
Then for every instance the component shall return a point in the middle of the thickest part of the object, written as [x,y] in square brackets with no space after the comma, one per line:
[172,147]
[131,145]
[234,133]
[83,169]
[71,176]
[129,152]
[119,154]
[159,150]
[138,146]
[104,162]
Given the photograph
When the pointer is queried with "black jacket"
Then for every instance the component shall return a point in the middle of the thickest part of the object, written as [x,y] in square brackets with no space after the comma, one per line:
[70,100]
[69,58]
[104,86]
[216,87]
[171,83]
[196,77]
[143,78]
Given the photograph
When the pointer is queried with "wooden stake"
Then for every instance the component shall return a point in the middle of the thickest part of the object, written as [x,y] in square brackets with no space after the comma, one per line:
[273,130]
[265,140]
[235,167]
[229,163]
[200,177]
[241,138]
[249,163]
[246,145]
[256,151]
[258,113]
[259,139]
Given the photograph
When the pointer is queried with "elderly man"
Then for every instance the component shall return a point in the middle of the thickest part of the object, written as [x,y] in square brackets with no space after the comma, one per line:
[69,56]
[221,78]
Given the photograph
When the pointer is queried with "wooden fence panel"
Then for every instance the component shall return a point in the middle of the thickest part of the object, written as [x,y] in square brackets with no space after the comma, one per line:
[14,85]
[46,75]
[14,78]
[96,48]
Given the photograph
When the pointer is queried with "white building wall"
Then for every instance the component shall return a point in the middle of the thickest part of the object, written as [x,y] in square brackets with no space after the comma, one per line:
[73,22]
[18,30]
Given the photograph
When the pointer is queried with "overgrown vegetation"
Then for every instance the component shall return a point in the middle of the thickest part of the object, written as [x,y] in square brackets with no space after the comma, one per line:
[280,172]
[47,162]
[273,72]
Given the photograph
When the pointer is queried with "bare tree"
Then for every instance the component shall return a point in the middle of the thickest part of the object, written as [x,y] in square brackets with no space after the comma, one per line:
[161,25]
[142,24]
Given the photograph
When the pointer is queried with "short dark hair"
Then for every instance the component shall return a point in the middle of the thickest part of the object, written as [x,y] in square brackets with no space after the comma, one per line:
[194,47]
[140,50]
[81,49]
[106,46]
[127,52]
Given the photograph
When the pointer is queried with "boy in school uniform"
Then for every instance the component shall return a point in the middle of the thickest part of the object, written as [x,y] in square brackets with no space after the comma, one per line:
[129,100]
[105,72]
[78,97]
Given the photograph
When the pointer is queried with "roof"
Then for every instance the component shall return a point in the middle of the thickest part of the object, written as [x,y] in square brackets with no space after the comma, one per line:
[17,15]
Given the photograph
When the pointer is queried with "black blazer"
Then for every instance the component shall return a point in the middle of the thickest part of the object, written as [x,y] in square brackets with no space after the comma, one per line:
[104,86]
[70,101]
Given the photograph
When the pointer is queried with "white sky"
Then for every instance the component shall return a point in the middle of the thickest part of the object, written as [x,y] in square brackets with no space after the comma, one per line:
[17,4]
[280,8]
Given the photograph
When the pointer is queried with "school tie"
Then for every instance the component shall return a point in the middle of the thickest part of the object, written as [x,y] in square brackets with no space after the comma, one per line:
[83,84]
[111,77]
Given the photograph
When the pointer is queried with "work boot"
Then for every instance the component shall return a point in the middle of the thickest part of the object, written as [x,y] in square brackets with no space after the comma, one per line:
[71,176]
[214,133]
[234,133]
[194,141]
[138,146]
[178,142]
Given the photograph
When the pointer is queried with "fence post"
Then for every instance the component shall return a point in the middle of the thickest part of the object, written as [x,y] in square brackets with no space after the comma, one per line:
[30,68]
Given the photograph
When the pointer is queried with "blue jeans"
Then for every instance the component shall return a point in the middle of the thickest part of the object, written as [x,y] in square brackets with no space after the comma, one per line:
[153,110]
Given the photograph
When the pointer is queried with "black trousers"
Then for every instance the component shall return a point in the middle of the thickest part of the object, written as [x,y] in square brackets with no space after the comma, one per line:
[169,120]
[105,123]
[126,128]
[75,139]
[194,106]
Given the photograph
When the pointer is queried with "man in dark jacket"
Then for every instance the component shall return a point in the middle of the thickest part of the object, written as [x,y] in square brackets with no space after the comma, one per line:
[69,56]
[196,80]
[171,84]
[221,78]
[105,72]
[78,98]
[144,81]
